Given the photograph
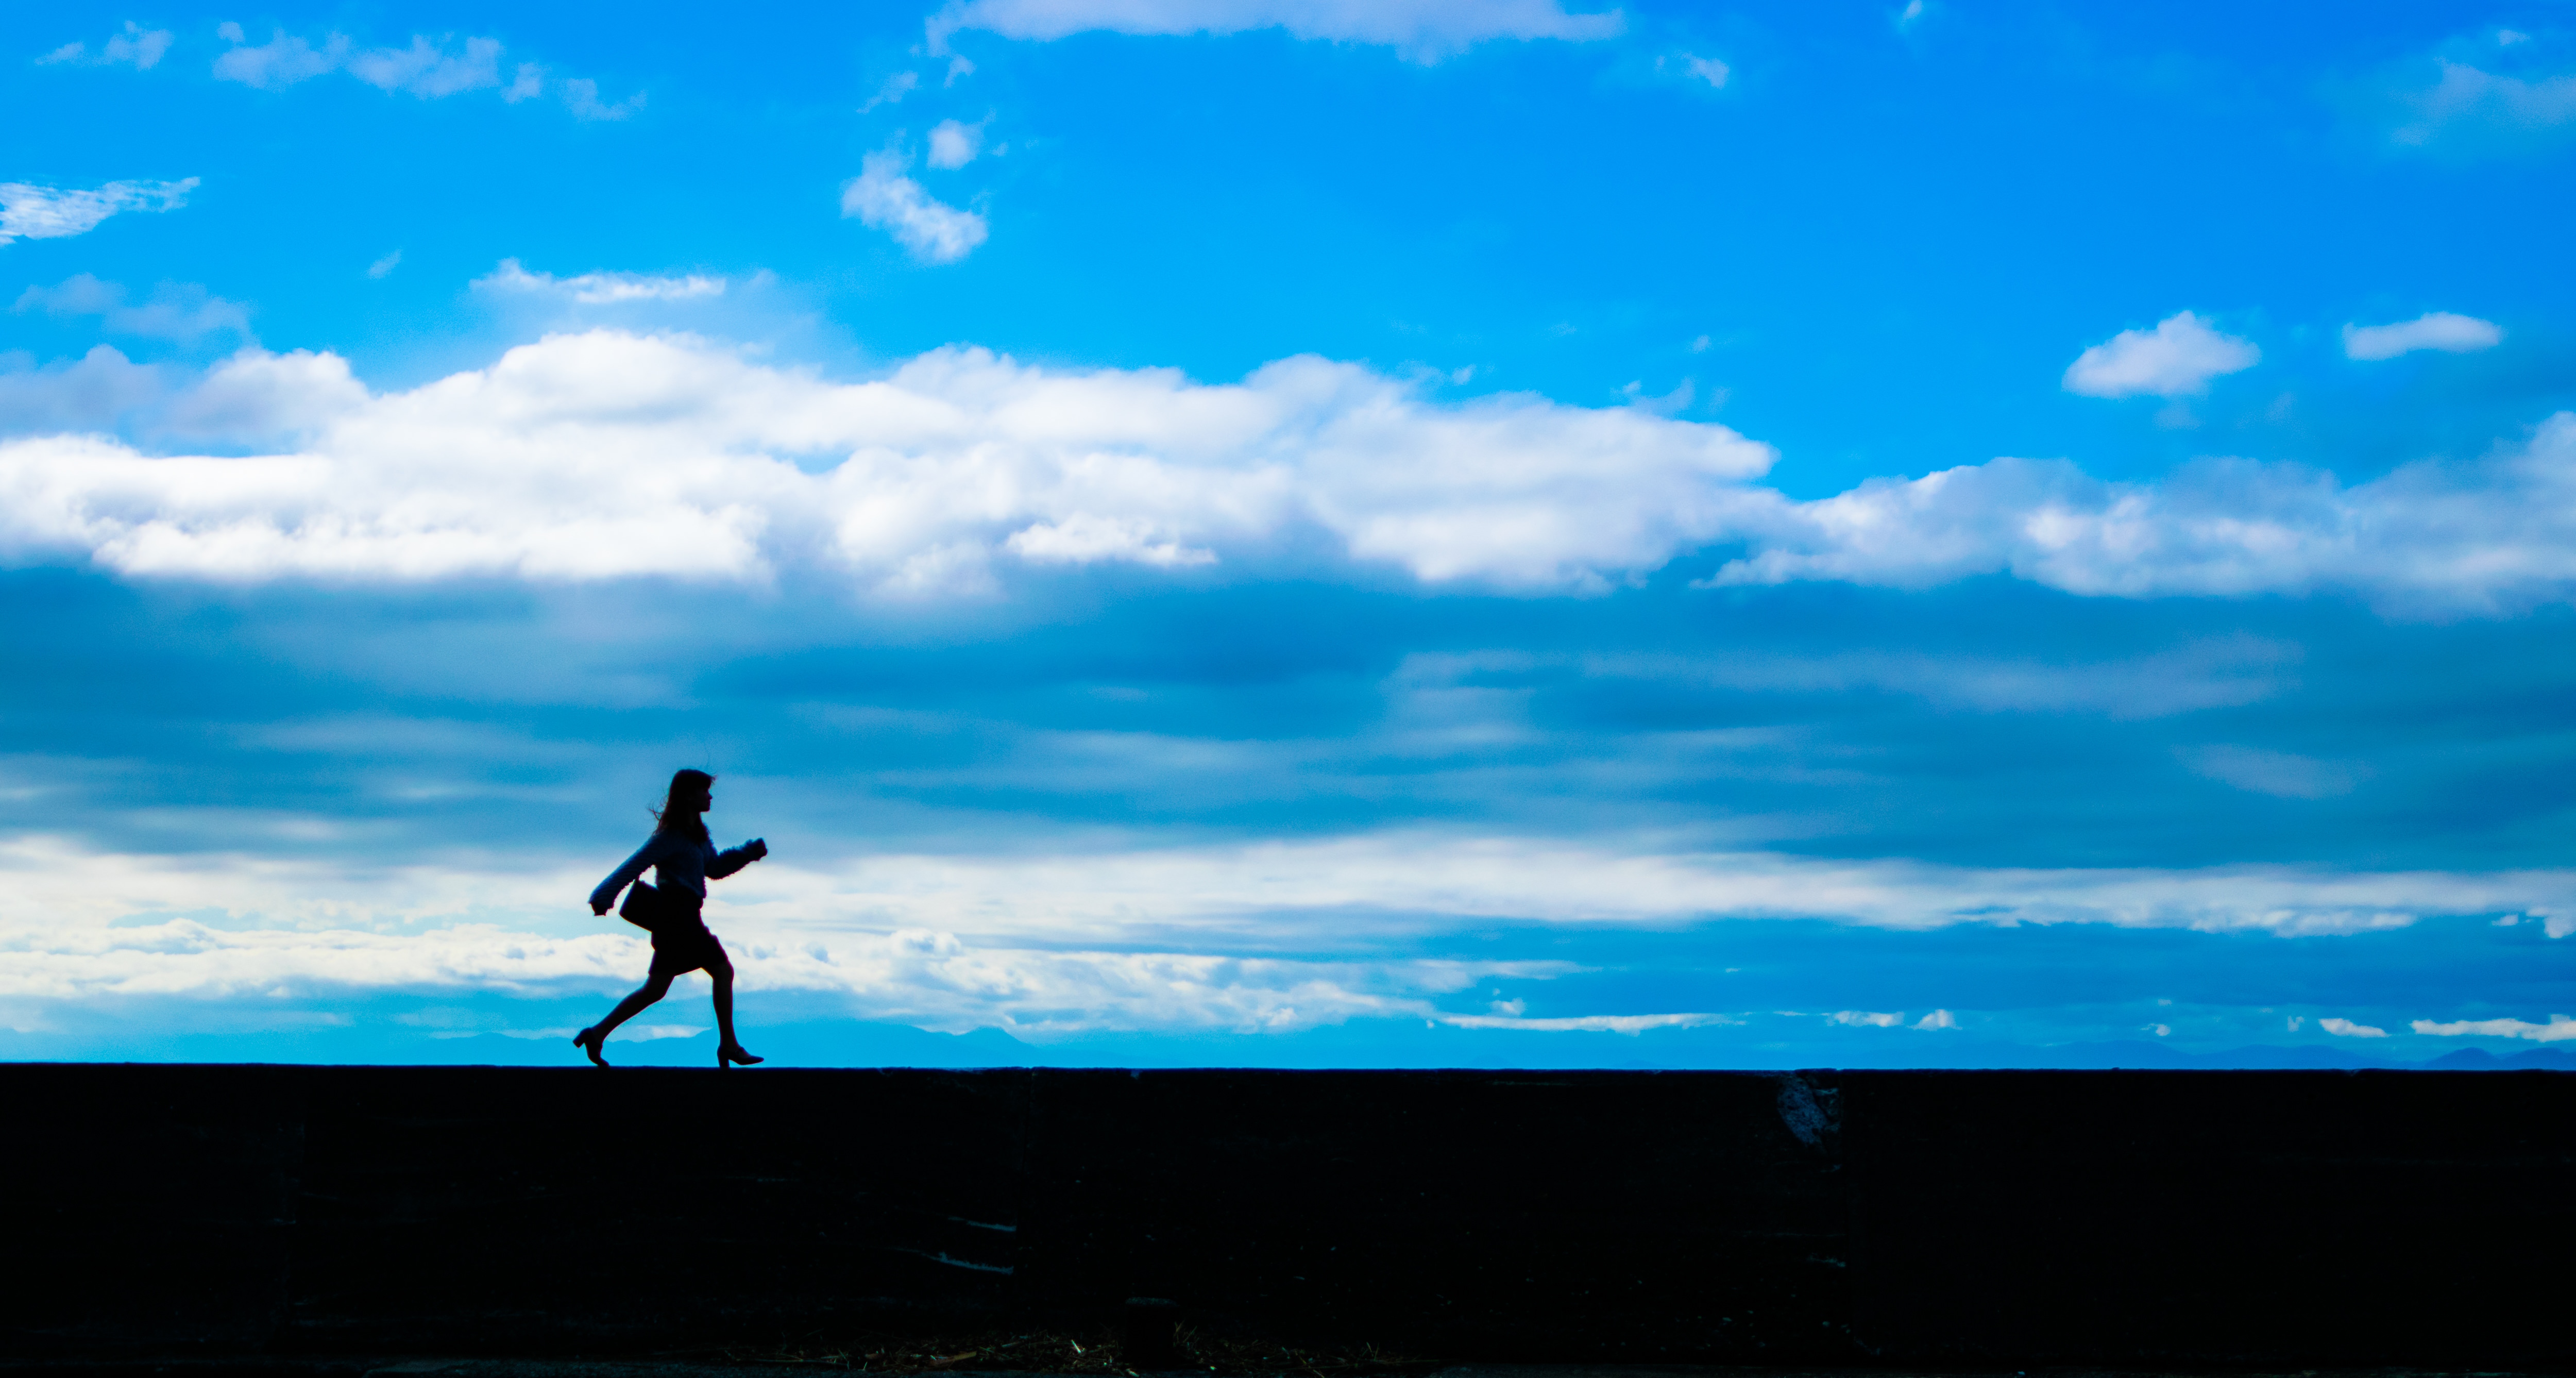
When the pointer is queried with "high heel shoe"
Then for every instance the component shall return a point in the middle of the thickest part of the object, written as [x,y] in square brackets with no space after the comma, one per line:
[589,1040]
[734,1053]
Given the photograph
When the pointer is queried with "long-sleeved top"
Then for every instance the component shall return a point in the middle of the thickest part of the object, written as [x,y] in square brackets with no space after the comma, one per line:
[682,866]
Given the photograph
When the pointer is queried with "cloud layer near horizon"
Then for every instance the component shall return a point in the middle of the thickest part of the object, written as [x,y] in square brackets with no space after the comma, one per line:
[1235,936]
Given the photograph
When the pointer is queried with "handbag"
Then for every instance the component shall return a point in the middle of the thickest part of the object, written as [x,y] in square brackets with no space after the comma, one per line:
[643,908]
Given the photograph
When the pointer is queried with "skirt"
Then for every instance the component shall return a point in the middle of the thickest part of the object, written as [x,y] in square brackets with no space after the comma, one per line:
[681,943]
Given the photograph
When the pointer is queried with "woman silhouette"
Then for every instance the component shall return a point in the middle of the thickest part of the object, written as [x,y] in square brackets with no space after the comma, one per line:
[684,860]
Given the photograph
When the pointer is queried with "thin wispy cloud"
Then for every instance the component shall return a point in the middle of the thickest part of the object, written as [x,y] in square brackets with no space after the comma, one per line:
[1419,30]
[33,212]
[182,312]
[591,289]
[426,69]
[138,46]
[2440,330]
[2559,1029]
[896,87]
[2472,106]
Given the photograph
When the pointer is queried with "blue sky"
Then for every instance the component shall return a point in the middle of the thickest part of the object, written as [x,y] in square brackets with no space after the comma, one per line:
[1287,532]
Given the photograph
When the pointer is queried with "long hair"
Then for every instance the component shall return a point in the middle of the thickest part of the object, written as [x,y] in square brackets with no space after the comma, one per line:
[671,817]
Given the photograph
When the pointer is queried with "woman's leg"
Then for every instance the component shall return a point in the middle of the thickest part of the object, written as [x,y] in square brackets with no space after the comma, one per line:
[730,1049]
[654,988]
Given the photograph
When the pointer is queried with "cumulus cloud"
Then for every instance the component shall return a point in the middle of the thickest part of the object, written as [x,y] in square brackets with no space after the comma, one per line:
[256,395]
[138,45]
[2432,538]
[2558,1029]
[88,394]
[34,212]
[606,455]
[954,145]
[178,311]
[596,288]
[883,198]
[2176,359]
[2345,1028]
[2433,330]
[1420,30]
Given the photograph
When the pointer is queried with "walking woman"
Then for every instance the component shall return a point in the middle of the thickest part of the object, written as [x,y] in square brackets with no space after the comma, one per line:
[684,860]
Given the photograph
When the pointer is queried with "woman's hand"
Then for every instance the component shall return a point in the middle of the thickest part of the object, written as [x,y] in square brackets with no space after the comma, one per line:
[599,907]
[756,848]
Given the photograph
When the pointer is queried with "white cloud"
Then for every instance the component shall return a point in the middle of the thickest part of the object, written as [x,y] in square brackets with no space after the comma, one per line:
[176,311]
[883,198]
[1149,938]
[282,61]
[384,266]
[2559,1029]
[960,467]
[428,71]
[2176,359]
[89,394]
[138,45]
[1937,1019]
[2433,330]
[1420,30]
[1085,539]
[2345,1028]
[608,455]
[2432,538]
[1707,69]
[599,288]
[424,69]
[1630,1024]
[33,212]
[954,145]
[256,395]
[2469,102]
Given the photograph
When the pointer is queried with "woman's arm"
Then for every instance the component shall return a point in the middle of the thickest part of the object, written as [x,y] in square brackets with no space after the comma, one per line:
[733,859]
[627,871]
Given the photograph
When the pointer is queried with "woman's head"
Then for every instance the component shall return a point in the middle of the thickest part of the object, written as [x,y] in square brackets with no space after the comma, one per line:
[692,794]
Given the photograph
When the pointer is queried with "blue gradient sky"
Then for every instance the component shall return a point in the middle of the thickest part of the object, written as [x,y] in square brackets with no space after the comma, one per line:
[1282,532]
